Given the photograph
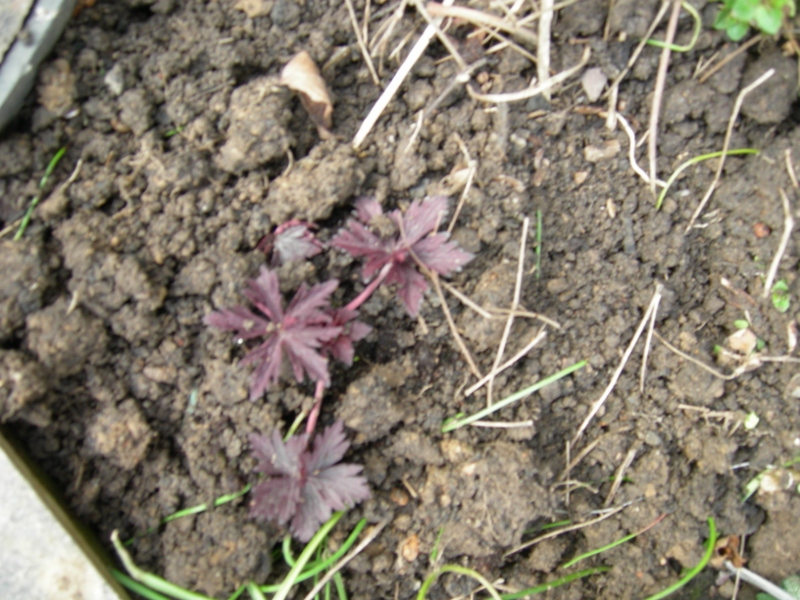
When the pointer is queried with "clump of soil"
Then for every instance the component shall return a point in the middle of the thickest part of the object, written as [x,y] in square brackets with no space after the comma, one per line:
[190,154]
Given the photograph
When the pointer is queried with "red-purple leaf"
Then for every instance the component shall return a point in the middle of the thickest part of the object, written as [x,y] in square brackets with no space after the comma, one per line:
[305,487]
[434,251]
[296,333]
[293,241]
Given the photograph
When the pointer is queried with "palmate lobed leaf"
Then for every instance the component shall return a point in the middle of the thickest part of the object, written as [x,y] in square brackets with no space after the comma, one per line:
[415,235]
[298,334]
[304,487]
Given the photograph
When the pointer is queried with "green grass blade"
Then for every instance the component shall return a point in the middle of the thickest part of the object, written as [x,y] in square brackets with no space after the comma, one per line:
[712,540]
[618,542]
[193,510]
[423,591]
[315,568]
[291,578]
[339,583]
[154,582]
[254,592]
[693,161]
[452,424]
[238,592]
[554,584]
[136,587]
[51,166]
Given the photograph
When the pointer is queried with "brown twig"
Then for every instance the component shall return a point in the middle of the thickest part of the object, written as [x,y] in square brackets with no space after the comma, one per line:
[434,278]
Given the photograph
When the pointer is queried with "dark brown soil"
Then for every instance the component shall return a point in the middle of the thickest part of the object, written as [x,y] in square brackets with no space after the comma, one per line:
[137,409]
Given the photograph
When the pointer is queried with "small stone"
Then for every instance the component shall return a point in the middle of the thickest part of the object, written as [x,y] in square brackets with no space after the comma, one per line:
[115,80]
[399,497]
[593,81]
[409,549]
[608,149]
[742,341]
[761,230]
[136,111]
[580,176]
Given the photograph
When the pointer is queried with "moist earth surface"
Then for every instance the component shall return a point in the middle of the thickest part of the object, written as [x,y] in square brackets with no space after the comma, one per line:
[183,152]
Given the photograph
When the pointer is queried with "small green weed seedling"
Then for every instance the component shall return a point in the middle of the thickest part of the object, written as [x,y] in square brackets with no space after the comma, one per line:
[737,16]
[780,296]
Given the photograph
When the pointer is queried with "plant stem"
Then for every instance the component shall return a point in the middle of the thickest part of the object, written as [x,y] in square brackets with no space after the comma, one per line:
[367,291]
[311,424]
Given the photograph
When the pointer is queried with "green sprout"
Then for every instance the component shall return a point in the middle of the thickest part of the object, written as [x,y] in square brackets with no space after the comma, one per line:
[780,296]
[454,423]
[737,16]
[51,166]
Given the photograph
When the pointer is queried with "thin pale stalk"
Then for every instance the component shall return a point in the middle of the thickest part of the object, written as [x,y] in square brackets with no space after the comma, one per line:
[394,85]
[658,94]
[647,343]
[601,400]
[478,17]
[514,304]
[533,90]
[734,113]
[788,225]
[557,532]
[543,47]
[360,41]
[511,361]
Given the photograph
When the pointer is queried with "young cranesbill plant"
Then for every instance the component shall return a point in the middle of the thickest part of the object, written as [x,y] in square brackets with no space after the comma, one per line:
[304,333]
[393,244]
[304,486]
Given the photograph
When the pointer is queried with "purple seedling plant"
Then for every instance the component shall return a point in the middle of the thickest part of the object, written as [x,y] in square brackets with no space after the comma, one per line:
[303,485]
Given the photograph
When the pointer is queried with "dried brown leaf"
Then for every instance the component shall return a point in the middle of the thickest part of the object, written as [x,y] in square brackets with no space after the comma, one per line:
[302,75]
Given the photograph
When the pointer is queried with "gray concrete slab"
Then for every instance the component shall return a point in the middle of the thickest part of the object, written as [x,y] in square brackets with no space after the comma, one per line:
[43,26]
[42,553]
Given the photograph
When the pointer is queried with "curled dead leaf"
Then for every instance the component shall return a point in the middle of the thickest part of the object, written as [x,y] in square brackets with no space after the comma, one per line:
[727,548]
[302,75]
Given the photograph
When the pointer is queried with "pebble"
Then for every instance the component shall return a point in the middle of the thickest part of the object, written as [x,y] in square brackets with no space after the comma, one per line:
[608,149]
